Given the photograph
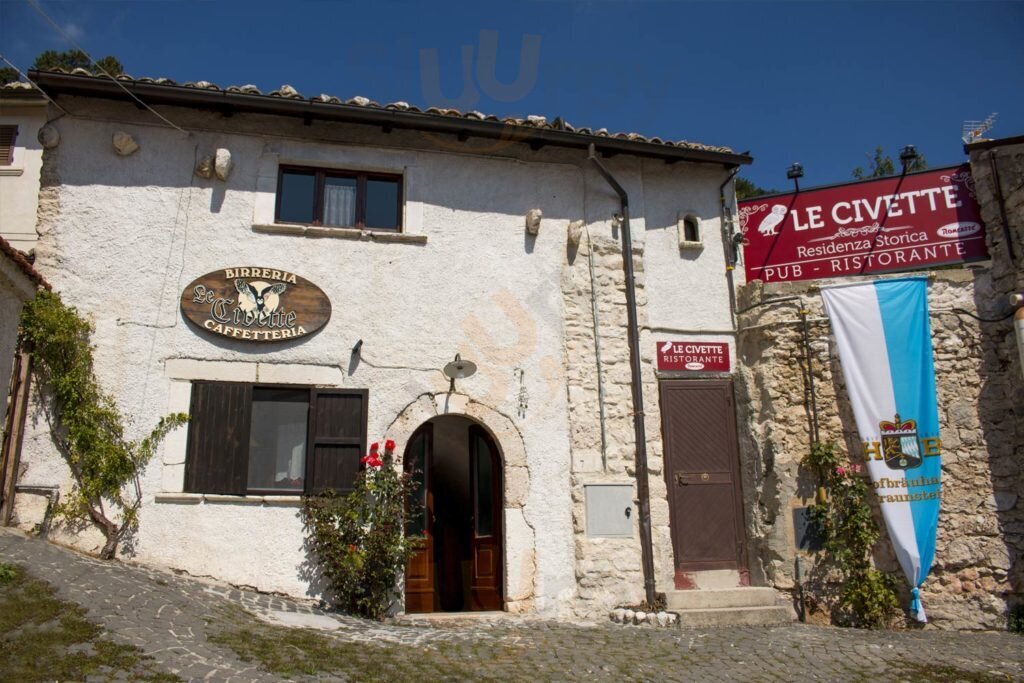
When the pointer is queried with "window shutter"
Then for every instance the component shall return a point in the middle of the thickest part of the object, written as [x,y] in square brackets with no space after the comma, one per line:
[337,438]
[218,438]
[8,134]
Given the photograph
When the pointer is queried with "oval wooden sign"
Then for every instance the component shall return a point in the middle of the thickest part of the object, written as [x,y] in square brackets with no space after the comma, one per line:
[256,304]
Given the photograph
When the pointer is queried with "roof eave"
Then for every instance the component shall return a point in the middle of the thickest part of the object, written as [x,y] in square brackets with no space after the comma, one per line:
[222,100]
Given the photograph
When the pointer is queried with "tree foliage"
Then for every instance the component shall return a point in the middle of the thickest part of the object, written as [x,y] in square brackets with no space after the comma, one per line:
[748,190]
[89,429]
[51,60]
[8,75]
[881,165]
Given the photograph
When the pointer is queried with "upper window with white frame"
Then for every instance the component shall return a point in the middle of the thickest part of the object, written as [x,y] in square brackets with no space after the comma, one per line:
[339,199]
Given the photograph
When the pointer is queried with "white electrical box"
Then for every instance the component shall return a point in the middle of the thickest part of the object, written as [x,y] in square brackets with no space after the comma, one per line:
[610,510]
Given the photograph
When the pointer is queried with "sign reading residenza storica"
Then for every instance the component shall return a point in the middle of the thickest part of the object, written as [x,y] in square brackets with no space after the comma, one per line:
[256,304]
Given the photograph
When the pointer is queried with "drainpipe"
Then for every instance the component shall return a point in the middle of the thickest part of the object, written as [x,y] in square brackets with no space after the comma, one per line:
[728,244]
[642,488]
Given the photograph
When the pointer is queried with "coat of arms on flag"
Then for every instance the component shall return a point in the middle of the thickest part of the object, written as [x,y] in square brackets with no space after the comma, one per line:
[899,443]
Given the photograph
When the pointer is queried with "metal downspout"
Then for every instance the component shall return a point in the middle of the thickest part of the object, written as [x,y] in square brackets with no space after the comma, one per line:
[642,487]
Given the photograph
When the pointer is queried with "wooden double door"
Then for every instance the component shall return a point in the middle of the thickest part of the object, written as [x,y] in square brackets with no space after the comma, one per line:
[459,565]
[702,475]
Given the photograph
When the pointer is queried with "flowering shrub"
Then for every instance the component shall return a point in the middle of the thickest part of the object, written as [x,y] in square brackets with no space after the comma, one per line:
[844,521]
[359,539]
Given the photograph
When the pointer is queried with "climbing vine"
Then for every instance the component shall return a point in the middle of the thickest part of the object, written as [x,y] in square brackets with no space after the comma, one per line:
[88,428]
[360,539]
[842,518]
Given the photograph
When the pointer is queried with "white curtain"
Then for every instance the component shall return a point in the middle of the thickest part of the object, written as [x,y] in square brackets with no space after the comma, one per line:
[339,204]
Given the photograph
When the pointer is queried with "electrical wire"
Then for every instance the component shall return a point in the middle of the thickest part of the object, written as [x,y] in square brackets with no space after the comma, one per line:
[68,38]
[32,83]
[959,311]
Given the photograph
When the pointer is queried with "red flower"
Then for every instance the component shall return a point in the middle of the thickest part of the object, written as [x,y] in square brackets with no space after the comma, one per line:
[389,445]
[374,461]
[351,548]
[374,447]
[363,460]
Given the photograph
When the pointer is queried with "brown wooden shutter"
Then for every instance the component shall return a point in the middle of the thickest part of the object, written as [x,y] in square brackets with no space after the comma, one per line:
[337,438]
[218,438]
[8,134]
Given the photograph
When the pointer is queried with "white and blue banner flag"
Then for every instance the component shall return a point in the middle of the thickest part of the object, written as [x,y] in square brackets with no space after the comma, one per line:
[884,341]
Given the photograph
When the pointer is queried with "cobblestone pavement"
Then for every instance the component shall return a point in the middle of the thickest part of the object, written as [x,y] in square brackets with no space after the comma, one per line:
[170,618]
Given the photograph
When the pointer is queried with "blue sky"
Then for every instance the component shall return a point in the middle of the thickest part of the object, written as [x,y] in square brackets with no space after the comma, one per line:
[821,83]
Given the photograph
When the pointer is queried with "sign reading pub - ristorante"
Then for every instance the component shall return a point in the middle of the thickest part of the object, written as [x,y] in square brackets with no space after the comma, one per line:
[256,304]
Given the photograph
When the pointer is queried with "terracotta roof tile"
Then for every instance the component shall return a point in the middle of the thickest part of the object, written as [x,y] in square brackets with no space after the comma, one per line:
[19,260]
[531,121]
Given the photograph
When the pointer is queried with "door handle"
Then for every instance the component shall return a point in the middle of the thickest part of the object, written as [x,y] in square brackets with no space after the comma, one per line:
[681,479]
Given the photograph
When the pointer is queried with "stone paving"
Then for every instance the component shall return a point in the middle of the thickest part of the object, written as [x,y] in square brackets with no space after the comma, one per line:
[170,618]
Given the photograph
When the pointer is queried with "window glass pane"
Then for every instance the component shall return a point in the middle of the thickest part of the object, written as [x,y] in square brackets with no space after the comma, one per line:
[690,231]
[484,489]
[417,525]
[296,200]
[340,201]
[277,439]
[381,203]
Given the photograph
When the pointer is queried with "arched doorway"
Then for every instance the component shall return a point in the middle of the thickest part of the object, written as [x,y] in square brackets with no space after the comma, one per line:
[459,513]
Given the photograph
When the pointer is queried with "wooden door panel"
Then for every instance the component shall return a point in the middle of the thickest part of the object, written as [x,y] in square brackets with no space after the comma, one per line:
[702,474]
[419,570]
[486,543]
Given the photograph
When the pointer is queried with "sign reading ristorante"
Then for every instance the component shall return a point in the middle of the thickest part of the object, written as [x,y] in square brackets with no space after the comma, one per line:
[256,304]
[693,355]
[891,224]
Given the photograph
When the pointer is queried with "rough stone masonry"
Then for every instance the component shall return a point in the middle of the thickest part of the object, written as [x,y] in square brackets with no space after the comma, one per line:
[978,573]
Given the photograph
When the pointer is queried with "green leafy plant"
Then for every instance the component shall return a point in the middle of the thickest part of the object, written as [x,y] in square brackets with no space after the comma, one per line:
[844,521]
[7,573]
[360,539]
[1015,619]
[89,429]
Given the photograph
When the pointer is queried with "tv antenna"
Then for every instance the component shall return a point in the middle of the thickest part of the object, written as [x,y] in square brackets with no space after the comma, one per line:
[972,130]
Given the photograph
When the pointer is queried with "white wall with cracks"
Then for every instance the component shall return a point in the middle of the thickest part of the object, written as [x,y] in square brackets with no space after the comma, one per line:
[121,236]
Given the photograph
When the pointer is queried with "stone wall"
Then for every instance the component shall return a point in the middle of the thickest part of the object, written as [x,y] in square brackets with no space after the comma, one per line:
[977,569]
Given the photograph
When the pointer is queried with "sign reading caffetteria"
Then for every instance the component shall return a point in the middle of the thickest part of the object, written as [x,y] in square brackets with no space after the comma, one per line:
[899,223]
[256,304]
[701,356]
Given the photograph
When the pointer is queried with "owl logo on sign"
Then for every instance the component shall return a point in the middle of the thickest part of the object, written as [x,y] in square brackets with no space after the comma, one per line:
[770,223]
[259,298]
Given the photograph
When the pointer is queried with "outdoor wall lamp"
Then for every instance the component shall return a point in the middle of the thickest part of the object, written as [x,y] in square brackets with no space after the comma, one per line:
[908,155]
[795,173]
[458,369]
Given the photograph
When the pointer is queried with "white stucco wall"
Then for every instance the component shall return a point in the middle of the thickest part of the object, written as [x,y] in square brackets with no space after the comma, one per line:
[19,182]
[121,237]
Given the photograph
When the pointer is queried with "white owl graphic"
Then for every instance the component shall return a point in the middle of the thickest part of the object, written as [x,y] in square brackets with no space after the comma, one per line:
[770,222]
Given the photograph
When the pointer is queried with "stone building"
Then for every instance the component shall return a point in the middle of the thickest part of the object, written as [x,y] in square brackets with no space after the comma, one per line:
[410,236]
[405,239]
[978,573]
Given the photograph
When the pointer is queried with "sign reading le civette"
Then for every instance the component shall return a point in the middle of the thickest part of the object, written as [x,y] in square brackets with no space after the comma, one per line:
[891,224]
[256,304]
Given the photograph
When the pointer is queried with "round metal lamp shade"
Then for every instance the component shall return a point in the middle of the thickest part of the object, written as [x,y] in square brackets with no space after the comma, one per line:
[459,369]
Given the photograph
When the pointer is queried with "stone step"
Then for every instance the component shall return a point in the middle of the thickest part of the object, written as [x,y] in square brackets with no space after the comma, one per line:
[736,616]
[716,598]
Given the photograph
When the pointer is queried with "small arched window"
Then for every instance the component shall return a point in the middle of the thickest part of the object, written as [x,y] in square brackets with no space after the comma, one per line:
[691,231]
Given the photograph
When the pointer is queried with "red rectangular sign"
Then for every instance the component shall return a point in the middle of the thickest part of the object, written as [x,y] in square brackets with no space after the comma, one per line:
[702,356]
[899,223]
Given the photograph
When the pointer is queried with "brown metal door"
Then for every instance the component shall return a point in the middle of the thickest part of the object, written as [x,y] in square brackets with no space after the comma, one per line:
[701,471]
[486,543]
[419,570]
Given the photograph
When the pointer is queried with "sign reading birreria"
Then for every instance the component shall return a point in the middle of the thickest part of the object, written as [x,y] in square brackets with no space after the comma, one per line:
[256,304]
[893,224]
